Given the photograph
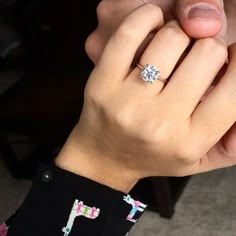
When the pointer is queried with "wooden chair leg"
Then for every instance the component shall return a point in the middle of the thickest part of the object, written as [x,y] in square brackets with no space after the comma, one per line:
[9,157]
[163,196]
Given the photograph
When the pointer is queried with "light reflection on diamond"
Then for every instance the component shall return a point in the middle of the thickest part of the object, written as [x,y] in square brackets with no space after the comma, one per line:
[150,73]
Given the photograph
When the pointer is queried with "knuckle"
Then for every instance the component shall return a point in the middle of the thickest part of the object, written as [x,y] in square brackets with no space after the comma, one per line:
[125,33]
[94,93]
[141,130]
[174,32]
[121,118]
[90,48]
[122,121]
[154,8]
[187,154]
[147,133]
[215,46]
[89,96]
[88,43]
[221,50]
[101,10]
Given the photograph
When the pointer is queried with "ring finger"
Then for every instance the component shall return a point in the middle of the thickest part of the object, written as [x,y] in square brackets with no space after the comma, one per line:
[163,52]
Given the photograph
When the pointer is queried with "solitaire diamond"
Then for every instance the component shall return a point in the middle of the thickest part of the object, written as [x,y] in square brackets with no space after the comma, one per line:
[150,73]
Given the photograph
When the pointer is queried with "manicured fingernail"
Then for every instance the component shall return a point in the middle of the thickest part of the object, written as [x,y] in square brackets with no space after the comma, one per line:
[203,11]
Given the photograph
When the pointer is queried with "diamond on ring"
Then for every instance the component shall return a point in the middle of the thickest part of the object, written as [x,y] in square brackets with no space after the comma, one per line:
[150,73]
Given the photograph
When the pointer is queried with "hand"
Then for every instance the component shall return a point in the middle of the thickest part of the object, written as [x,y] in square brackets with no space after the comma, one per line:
[130,129]
[172,9]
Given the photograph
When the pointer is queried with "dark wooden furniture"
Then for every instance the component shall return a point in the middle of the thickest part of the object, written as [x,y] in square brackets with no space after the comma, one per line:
[44,107]
[46,104]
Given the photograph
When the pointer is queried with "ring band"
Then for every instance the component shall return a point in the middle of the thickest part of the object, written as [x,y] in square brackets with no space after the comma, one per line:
[150,73]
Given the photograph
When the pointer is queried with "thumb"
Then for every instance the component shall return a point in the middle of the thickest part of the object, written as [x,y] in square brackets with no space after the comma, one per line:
[202,18]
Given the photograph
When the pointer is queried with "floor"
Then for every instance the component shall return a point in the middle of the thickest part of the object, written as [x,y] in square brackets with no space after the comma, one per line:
[206,208]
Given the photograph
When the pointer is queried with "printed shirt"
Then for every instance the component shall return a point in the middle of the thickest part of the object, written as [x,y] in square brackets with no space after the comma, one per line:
[61,203]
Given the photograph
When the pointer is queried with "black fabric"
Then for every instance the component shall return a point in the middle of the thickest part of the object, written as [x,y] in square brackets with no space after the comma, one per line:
[48,205]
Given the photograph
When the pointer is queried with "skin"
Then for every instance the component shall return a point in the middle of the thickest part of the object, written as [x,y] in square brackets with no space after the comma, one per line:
[172,9]
[230,7]
[129,130]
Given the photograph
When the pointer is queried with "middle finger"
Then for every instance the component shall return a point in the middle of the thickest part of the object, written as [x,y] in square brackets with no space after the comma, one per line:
[163,52]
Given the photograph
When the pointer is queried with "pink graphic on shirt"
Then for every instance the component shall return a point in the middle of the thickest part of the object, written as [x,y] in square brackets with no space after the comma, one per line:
[79,209]
[136,206]
[3,230]
[93,213]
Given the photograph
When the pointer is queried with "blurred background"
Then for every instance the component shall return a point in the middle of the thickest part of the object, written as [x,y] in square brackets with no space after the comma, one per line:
[43,71]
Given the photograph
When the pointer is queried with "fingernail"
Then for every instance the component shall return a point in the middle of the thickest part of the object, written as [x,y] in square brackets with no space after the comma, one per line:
[203,11]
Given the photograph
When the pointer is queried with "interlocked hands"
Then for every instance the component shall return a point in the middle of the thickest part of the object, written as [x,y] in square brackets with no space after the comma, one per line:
[130,129]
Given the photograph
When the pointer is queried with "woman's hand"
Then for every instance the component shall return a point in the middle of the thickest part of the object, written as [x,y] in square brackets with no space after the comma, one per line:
[130,129]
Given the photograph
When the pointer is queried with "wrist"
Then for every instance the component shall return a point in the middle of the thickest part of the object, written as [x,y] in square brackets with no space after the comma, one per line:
[81,158]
